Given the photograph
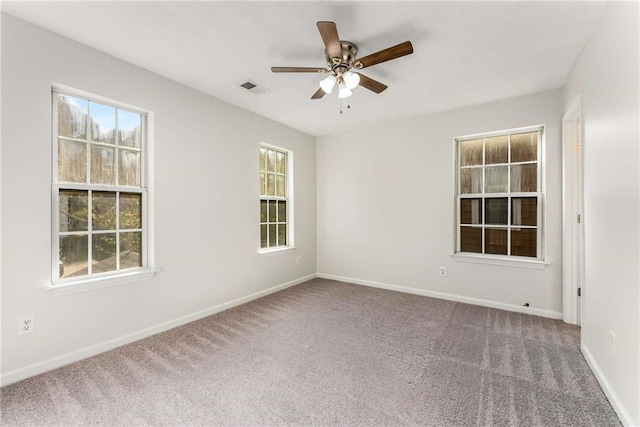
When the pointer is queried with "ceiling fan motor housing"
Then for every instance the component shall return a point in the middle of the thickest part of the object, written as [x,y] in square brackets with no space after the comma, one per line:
[348,60]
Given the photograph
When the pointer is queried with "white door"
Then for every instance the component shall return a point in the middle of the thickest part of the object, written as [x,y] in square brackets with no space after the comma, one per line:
[578,207]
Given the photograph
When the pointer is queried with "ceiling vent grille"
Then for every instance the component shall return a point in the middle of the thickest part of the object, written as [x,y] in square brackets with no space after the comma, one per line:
[254,87]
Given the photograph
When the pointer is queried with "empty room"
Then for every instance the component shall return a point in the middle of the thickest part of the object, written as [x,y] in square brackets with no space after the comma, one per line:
[311,213]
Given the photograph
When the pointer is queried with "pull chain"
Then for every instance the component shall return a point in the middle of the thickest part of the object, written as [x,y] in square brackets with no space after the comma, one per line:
[348,104]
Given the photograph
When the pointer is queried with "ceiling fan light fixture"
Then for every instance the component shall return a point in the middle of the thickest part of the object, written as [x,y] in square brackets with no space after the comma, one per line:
[351,79]
[343,91]
[328,83]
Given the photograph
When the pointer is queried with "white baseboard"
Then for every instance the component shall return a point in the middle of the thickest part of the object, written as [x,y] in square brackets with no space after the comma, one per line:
[622,413]
[65,359]
[74,356]
[445,296]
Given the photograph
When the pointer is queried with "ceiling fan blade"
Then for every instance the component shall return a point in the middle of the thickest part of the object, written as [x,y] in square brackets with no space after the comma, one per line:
[329,34]
[319,94]
[298,70]
[372,85]
[393,52]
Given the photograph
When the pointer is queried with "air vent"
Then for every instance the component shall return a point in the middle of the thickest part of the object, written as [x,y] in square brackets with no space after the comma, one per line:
[254,87]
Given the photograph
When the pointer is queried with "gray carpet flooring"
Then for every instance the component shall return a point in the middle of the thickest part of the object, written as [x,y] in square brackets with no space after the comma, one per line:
[329,353]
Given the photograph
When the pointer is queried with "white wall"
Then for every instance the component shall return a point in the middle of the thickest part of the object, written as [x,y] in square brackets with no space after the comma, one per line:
[206,188]
[386,204]
[606,74]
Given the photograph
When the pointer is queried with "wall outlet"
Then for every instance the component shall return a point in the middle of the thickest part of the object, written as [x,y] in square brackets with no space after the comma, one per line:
[26,325]
[613,343]
[299,260]
[443,271]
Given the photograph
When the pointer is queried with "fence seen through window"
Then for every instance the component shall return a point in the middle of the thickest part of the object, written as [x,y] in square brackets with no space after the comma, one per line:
[499,194]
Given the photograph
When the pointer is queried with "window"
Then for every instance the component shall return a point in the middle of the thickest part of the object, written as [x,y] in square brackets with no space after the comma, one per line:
[499,198]
[99,188]
[274,197]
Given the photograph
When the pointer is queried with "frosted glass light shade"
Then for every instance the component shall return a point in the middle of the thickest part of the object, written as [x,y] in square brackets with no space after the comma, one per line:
[328,83]
[343,91]
[351,80]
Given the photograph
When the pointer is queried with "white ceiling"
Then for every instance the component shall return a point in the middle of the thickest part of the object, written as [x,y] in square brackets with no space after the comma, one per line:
[465,53]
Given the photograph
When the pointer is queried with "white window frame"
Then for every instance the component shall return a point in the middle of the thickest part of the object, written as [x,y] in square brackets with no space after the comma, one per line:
[100,280]
[539,261]
[289,198]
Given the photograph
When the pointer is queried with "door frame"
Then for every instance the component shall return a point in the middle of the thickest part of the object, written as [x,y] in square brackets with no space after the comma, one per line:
[572,209]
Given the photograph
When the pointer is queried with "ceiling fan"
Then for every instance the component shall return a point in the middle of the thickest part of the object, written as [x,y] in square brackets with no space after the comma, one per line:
[344,66]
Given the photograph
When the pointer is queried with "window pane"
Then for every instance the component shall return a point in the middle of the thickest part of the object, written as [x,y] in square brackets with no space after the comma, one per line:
[263,159]
[471,239]
[129,129]
[496,150]
[103,123]
[271,160]
[471,181]
[272,211]
[72,117]
[495,211]
[271,184]
[263,211]
[524,242]
[524,147]
[524,211]
[103,210]
[273,236]
[524,178]
[74,254]
[263,236]
[495,241]
[280,162]
[471,152]
[280,185]
[470,211]
[74,211]
[130,250]
[103,166]
[273,167]
[97,160]
[130,210]
[263,184]
[282,234]
[496,179]
[282,211]
[72,161]
[129,168]
[103,253]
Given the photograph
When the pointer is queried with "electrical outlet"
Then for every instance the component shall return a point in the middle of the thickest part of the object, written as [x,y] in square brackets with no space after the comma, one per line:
[299,260]
[26,325]
[613,343]
[443,271]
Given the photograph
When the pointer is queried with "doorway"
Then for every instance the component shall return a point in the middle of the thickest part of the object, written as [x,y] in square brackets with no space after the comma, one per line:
[572,215]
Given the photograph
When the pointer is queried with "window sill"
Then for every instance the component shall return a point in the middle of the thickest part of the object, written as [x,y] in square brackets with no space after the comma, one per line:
[510,262]
[276,251]
[89,284]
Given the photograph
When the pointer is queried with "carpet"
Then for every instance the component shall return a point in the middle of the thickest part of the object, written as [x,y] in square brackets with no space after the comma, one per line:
[329,353]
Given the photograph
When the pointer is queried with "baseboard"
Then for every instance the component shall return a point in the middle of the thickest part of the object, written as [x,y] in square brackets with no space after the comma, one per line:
[74,356]
[622,413]
[450,297]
